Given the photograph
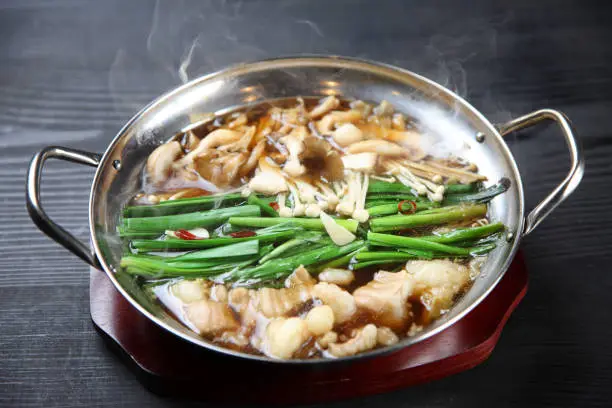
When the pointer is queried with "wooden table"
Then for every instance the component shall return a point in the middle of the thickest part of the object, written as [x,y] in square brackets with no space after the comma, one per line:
[71,73]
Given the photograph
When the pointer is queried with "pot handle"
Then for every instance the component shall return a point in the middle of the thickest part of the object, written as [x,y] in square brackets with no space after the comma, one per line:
[573,178]
[35,209]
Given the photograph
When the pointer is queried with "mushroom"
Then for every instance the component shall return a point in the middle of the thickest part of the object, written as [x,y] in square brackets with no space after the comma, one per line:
[324,106]
[294,142]
[268,179]
[382,147]
[361,214]
[326,125]
[242,143]
[319,157]
[213,140]
[159,163]
[347,134]
[363,162]
[251,162]
[422,186]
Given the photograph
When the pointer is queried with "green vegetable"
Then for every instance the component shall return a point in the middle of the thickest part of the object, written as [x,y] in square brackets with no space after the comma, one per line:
[278,268]
[263,205]
[399,222]
[413,243]
[466,234]
[292,243]
[180,244]
[203,219]
[483,196]
[391,208]
[306,223]
[385,187]
[460,188]
[361,265]
[182,205]
[344,260]
[225,252]
[157,268]
[385,255]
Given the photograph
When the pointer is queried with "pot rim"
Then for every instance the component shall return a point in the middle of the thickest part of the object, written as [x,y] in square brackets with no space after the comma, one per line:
[293,61]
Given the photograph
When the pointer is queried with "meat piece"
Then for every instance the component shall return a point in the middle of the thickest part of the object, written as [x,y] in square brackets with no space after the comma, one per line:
[160,161]
[341,277]
[364,339]
[284,337]
[386,337]
[320,320]
[278,302]
[341,302]
[386,297]
[328,338]
[211,317]
[191,290]
[238,298]
[219,293]
[300,278]
[437,283]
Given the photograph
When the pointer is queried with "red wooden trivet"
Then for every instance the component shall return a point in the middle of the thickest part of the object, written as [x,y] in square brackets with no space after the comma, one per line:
[168,365]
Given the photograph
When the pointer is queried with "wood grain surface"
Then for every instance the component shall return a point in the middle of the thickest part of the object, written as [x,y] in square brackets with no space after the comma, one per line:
[72,72]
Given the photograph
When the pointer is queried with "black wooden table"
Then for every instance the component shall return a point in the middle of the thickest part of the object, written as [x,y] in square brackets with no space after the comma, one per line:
[72,72]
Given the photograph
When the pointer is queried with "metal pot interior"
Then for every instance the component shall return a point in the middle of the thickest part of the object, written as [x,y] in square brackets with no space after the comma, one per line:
[451,123]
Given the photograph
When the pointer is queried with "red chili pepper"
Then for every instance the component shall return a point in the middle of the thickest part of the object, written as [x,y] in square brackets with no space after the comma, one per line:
[412,209]
[274,205]
[242,234]
[184,234]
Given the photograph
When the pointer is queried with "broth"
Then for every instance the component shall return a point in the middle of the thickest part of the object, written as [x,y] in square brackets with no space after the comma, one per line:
[305,228]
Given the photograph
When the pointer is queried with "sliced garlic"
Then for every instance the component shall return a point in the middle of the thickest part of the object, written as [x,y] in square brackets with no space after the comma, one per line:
[340,235]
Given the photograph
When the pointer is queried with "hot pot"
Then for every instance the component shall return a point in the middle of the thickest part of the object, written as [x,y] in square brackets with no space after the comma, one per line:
[454,123]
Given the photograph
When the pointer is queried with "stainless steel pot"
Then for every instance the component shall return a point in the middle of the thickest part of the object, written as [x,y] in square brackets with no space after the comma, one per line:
[446,116]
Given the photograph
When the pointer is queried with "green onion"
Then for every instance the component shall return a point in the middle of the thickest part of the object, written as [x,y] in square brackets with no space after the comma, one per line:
[335,263]
[203,219]
[138,265]
[361,265]
[483,196]
[263,205]
[460,188]
[392,208]
[466,234]
[182,205]
[399,222]
[277,268]
[414,243]
[306,223]
[178,244]
[385,187]
[227,252]
[385,255]
[292,243]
